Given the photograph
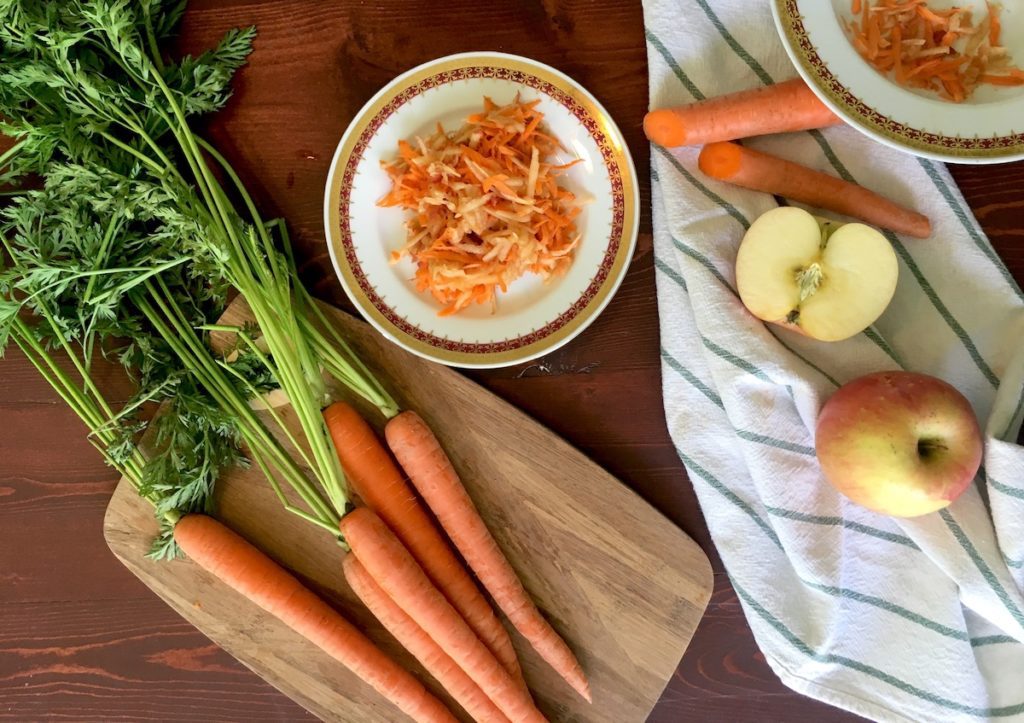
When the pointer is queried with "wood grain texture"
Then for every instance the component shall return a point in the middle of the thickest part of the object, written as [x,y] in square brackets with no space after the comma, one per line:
[315,64]
[621,584]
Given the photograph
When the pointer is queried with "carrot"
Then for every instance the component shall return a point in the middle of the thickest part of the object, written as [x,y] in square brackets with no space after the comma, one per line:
[747,168]
[411,636]
[1008,80]
[489,196]
[788,106]
[909,39]
[377,480]
[995,25]
[431,472]
[397,573]
[231,559]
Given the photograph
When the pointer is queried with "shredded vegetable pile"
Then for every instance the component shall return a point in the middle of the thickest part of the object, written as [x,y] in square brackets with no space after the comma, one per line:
[939,50]
[487,205]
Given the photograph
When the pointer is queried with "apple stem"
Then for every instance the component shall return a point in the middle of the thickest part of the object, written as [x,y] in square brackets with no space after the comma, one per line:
[925,447]
[809,280]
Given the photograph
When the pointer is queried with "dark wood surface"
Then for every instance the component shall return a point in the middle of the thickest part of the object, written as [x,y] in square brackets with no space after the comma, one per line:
[82,639]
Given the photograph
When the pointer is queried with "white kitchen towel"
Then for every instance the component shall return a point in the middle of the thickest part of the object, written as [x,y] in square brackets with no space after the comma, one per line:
[905,620]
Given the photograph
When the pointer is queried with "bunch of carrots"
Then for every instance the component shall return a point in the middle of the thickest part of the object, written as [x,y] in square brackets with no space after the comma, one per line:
[938,50]
[400,564]
[403,568]
[785,107]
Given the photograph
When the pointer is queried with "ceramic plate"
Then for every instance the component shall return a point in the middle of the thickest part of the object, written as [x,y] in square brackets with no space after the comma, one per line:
[532,317]
[988,128]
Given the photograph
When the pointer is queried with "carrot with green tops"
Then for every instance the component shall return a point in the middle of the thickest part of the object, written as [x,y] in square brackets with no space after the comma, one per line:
[422,647]
[780,108]
[235,562]
[377,480]
[398,574]
[757,171]
[431,472]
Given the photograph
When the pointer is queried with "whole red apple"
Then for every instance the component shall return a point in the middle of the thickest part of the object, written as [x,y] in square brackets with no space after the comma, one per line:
[900,443]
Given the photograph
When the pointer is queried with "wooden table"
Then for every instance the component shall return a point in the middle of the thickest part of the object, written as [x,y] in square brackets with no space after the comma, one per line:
[81,639]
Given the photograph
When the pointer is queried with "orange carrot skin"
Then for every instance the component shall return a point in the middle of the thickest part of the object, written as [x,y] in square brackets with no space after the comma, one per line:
[757,171]
[235,562]
[781,108]
[400,576]
[377,480]
[411,636]
[431,472]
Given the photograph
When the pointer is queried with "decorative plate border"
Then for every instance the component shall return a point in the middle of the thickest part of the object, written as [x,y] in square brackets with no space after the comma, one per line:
[950,146]
[624,209]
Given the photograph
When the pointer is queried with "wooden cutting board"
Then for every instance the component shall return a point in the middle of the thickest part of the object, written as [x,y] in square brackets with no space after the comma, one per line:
[624,586]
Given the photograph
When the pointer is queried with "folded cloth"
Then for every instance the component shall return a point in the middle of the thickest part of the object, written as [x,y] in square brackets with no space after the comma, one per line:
[918,619]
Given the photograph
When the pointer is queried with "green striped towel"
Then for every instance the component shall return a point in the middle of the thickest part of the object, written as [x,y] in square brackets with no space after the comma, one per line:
[905,620]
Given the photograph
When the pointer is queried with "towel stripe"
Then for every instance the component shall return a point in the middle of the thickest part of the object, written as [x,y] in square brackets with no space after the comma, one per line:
[1015,564]
[729,495]
[882,604]
[992,640]
[869,670]
[971,228]
[730,209]
[703,261]
[831,521]
[828,589]
[734,44]
[879,341]
[777,443]
[736,361]
[1005,489]
[1006,435]
[983,568]
[673,65]
[694,381]
[670,272]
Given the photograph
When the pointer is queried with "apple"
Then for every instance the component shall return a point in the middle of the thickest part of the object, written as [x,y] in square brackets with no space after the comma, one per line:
[900,443]
[825,279]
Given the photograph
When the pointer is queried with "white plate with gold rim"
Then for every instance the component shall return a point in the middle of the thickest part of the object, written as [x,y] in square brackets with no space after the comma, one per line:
[532,318]
[987,128]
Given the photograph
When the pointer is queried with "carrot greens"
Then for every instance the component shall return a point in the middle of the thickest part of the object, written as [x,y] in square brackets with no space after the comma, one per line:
[130,247]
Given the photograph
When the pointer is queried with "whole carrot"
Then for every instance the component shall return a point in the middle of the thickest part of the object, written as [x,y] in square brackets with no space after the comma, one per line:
[780,108]
[378,481]
[398,574]
[405,630]
[431,472]
[757,171]
[238,564]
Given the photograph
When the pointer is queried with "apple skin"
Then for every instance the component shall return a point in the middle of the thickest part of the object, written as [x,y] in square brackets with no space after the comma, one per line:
[900,443]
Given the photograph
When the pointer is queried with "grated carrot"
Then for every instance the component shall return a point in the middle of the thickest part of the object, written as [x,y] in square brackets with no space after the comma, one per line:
[943,51]
[487,206]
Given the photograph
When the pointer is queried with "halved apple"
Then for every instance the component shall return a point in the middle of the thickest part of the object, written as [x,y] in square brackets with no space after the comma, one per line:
[825,279]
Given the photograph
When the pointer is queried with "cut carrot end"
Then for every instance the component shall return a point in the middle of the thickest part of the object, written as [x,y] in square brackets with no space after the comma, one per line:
[665,128]
[720,160]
